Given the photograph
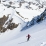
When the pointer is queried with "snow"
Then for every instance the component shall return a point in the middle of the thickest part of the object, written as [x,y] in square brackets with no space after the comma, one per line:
[12,14]
[28,13]
[30,0]
[5,11]
[16,37]
[16,4]
[43,44]
[10,36]
[33,6]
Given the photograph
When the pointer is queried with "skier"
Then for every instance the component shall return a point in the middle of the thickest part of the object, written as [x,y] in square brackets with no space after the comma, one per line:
[28,37]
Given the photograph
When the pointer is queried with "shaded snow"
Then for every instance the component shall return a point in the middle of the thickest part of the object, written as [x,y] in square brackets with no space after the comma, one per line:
[16,37]
[37,32]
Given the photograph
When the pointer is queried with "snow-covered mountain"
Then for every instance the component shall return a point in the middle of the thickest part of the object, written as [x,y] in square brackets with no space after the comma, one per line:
[21,17]
[25,8]
[9,19]
[18,38]
[20,11]
[35,20]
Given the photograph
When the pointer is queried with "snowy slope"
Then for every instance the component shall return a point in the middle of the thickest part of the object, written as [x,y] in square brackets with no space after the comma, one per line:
[37,32]
[5,11]
[12,14]
[24,11]
[16,37]
[35,20]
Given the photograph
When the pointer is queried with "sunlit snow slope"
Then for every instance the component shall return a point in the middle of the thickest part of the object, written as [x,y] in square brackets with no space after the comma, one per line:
[20,16]
[37,32]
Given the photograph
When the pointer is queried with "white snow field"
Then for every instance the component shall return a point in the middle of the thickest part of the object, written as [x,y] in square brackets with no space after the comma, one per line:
[25,12]
[18,38]
[28,13]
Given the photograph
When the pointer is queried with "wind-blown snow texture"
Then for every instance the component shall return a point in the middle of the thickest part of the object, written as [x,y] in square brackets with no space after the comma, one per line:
[35,25]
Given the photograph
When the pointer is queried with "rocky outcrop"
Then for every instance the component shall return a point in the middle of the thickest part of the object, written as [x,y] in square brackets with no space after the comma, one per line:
[2,21]
[10,24]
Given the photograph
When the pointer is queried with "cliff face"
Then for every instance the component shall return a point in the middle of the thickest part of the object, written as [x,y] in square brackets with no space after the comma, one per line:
[9,24]
[2,21]
[21,9]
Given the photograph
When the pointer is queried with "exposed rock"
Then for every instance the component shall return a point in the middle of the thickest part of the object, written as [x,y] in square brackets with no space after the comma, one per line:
[9,24]
[3,29]
[12,26]
[2,21]
[21,15]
